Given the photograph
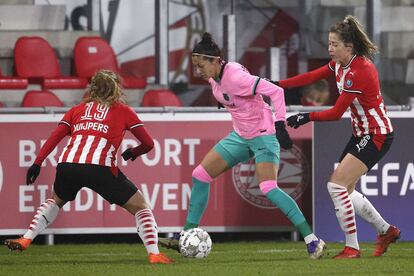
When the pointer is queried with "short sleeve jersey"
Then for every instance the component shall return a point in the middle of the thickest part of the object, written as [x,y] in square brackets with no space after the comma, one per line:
[368,112]
[96,131]
[236,90]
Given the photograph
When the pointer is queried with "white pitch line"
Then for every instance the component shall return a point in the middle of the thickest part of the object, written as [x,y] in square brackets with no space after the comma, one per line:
[293,250]
[215,252]
[91,254]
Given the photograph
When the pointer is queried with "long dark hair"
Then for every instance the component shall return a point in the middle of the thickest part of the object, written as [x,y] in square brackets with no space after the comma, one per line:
[350,30]
[207,47]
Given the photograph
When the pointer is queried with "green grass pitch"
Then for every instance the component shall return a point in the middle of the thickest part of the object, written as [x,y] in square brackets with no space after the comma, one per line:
[228,258]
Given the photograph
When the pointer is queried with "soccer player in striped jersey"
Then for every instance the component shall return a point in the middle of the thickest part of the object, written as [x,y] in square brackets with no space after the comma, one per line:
[258,133]
[359,89]
[96,128]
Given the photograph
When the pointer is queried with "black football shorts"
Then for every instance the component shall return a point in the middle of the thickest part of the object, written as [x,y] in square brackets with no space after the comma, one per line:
[369,148]
[71,177]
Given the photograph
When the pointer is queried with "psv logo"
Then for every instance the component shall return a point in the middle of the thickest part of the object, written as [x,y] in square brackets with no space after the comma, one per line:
[294,176]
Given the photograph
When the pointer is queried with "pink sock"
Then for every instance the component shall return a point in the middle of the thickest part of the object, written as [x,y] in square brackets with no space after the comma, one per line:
[201,174]
[267,186]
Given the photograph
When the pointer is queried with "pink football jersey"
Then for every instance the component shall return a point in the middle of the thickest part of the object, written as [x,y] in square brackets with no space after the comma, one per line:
[241,94]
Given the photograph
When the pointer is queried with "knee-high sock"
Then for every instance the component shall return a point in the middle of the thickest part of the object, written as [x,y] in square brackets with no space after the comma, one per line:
[147,230]
[289,207]
[344,210]
[199,197]
[365,210]
[45,215]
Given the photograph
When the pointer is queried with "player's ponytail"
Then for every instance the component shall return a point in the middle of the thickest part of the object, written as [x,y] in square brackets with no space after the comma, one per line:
[105,88]
[350,30]
[207,48]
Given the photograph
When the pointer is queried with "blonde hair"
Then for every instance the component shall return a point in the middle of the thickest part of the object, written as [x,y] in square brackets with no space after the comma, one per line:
[350,30]
[105,88]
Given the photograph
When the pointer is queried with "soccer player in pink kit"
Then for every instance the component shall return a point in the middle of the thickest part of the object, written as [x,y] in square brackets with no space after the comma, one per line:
[96,128]
[253,137]
[359,89]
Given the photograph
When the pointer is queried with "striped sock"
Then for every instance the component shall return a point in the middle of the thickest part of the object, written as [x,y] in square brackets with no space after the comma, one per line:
[365,210]
[344,210]
[45,215]
[147,230]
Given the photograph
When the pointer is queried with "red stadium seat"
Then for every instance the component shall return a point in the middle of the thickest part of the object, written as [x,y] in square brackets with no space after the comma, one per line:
[162,97]
[12,82]
[93,53]
[36,60]
[41,98]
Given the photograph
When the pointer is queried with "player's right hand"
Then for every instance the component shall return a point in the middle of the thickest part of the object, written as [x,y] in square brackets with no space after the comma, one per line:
[128,155]
[32,174]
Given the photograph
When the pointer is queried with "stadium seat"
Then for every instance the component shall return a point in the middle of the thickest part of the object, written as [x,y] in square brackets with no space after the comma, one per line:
[161,97]
[93,53]
[35,98]
[36,60]
[7,82]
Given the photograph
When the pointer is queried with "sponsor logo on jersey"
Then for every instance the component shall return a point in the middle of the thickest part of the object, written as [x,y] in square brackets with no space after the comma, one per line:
[294,176]
[348,83]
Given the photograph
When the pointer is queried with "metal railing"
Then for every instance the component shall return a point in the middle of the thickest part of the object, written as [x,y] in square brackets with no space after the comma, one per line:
[173,109]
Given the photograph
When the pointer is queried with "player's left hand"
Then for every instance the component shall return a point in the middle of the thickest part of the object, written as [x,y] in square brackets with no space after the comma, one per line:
[299,119]
[282,135]
[128,155]
[32,174]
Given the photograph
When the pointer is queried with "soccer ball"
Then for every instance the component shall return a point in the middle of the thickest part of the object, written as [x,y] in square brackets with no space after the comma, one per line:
[195,243]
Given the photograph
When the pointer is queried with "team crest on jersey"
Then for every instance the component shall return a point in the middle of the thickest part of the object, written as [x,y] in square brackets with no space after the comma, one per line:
[226,97]
[348,83]
[294,176]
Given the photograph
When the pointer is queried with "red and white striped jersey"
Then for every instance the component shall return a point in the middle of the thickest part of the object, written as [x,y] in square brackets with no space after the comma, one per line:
[96,132]
[368,112]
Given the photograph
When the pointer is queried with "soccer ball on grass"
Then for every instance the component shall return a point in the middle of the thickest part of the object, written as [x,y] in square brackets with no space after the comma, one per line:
[195,243]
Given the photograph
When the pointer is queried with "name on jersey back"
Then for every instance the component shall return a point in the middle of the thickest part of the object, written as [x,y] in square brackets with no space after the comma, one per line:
[91,126]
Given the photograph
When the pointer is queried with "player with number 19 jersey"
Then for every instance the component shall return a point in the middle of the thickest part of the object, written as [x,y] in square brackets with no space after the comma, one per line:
[95,131]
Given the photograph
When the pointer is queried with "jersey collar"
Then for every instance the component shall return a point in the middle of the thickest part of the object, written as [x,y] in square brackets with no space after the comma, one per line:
[349,63]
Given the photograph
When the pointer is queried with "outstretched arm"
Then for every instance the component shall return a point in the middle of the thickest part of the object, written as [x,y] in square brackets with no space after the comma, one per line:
[332,114]
[306,78]
[336,112]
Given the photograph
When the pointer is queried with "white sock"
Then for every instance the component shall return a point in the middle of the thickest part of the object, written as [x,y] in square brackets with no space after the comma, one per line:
[310,238]
[345,213]
[365,210]
[45,215]
[147,230]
